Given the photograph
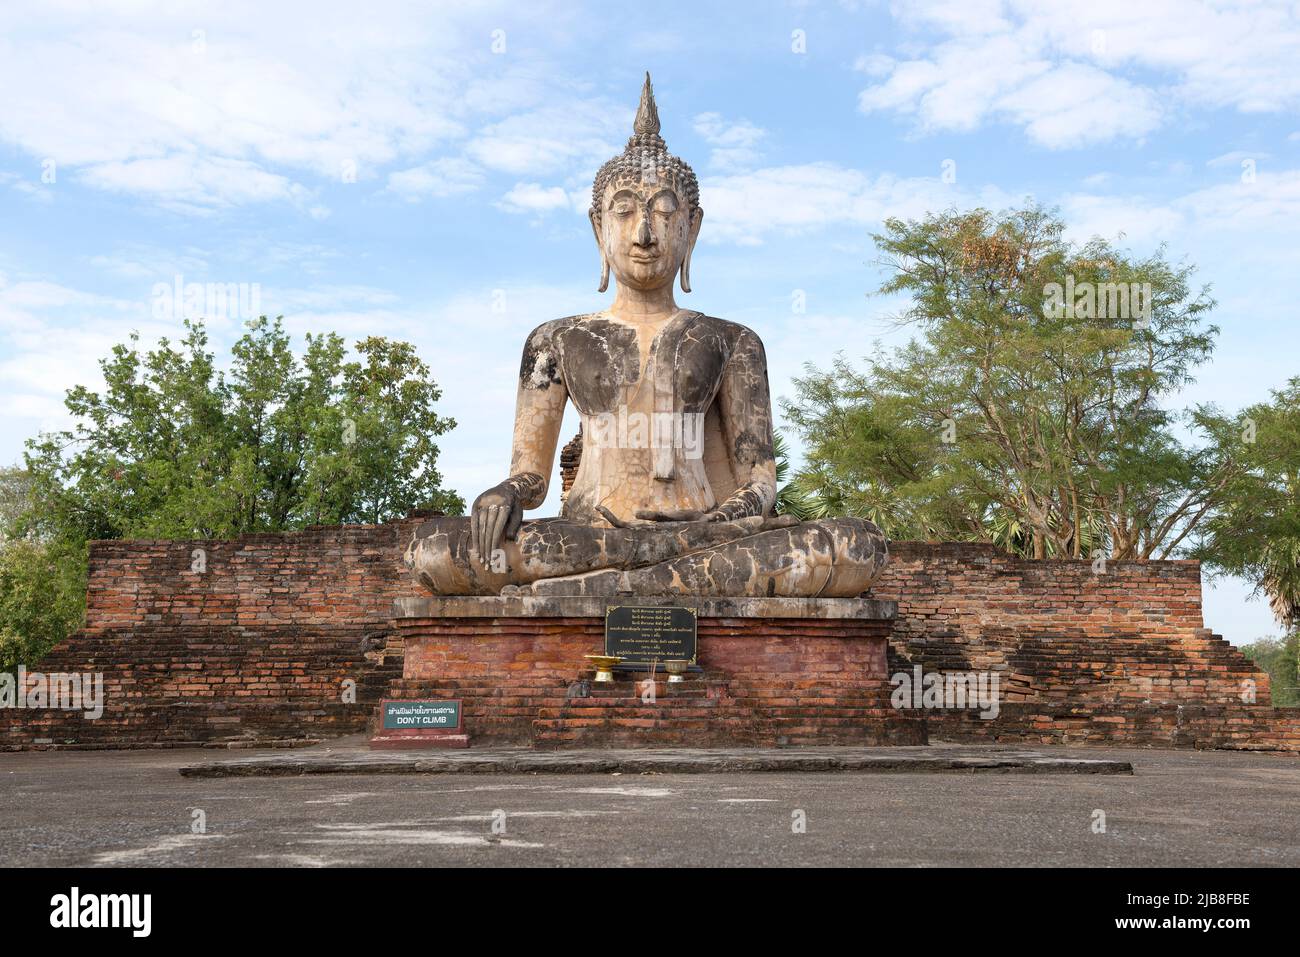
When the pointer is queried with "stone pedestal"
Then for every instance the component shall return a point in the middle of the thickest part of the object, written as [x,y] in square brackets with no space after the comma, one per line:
[418,740]
[774,672]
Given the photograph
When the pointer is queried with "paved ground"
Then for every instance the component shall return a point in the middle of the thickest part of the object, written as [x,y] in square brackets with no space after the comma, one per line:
[133,808]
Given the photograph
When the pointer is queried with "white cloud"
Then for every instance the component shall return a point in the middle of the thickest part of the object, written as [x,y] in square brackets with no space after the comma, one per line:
[194,183]
[148,263]
[1235,158]
[811,196]
[1084,71]
[32,189]
[236,102]
[449,176]
[41,360]
[1268,205]
[535,198]
[553,137]
[1076,103]
[735,143]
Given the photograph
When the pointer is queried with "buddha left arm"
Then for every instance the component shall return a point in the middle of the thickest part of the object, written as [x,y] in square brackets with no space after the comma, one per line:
[746,409]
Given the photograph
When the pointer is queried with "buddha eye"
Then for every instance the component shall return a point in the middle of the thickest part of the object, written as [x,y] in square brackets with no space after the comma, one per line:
[665,205]
[623,209]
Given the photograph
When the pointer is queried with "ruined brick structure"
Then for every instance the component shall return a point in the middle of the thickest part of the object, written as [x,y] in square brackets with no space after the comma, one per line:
[772,675]
[257,648]
[1117,657]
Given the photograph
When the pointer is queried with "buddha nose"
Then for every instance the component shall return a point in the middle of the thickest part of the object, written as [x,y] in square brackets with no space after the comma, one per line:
[644,234]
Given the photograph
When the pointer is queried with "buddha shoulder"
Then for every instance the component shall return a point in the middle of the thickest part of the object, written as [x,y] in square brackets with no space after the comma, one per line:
[730,338]
[577,347]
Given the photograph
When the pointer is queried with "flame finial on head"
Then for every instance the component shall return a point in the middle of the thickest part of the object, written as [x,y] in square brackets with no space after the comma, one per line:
[646,156]
[647,114]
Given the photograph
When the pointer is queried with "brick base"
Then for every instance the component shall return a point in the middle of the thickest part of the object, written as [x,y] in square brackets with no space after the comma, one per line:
[1222,726]
[255,651]
[765,682]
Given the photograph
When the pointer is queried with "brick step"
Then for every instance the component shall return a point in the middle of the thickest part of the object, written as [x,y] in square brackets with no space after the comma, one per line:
[1100,654]
[662,690]
[663,701]
[399,689]
[741,734]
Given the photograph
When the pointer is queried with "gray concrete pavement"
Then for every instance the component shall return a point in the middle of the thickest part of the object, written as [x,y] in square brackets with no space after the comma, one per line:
[134,808]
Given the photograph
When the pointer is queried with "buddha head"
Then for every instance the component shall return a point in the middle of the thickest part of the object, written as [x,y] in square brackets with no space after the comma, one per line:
[645,209]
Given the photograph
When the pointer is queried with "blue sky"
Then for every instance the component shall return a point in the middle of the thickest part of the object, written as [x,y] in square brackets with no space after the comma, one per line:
[422,170]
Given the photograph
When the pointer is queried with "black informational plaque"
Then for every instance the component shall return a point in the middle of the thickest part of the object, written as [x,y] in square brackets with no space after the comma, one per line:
[640,634]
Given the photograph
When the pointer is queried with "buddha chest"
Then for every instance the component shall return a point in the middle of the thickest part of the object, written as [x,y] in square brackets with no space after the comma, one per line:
[604,366]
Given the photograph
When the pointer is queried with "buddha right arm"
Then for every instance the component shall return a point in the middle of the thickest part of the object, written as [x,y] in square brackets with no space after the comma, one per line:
[539,413]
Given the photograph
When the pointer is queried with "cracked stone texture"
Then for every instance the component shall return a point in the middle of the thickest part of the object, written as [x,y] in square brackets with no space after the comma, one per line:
[578,606]
[675,486]
[716,370]
[360,760]
[750,557]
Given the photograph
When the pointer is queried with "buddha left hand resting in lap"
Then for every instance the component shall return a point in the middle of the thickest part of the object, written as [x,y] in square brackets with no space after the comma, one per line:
[677,480]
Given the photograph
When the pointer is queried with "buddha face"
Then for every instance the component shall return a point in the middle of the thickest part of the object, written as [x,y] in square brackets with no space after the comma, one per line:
[645,231]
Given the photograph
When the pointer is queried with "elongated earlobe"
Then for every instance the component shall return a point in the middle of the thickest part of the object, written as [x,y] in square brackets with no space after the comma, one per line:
[697,218]
[604,263]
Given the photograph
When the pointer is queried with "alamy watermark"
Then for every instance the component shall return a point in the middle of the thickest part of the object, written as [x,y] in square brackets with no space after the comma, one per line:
[626,429]
[206,300]
[75,909]
[1098,300]
[59,691]
[953,690]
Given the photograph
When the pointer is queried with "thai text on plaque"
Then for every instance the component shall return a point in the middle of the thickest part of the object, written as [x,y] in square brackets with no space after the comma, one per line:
[642,634]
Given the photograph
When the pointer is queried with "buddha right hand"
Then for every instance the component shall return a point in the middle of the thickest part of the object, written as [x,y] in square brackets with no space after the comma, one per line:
[496,516]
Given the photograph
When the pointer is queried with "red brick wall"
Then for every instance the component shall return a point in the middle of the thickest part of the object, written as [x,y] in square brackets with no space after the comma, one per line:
[1118,656]
[256,647]
[766,682]
[325,576]
[950,588]
[349,575]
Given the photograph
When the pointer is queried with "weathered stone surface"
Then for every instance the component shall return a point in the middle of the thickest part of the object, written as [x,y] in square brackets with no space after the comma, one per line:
[669,761]
[578,606]
[672,488]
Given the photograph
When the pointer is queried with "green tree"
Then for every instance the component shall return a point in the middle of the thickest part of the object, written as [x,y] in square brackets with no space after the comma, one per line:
[1280,657]
[1021,415]
[1254,532]
[15,499]
[792,497]
[175,448]
[42,598]
[42,584]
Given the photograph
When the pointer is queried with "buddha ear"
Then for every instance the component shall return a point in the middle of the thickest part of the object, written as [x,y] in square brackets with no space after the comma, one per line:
[697,217]
[594,216]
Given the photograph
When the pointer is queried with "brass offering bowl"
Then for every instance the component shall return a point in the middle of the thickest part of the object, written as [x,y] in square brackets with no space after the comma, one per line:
[604,665]
[675,667]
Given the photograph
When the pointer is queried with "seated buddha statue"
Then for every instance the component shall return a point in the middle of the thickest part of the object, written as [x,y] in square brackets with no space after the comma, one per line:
[675,487]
